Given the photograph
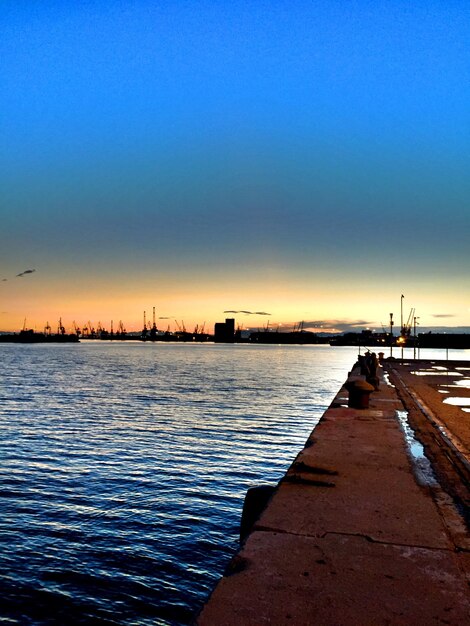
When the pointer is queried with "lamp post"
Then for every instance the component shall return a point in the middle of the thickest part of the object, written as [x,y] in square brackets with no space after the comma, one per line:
[401,322]
[391,333]
[416,338]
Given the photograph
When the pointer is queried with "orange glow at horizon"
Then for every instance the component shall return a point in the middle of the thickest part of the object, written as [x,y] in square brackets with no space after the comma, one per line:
[322,304]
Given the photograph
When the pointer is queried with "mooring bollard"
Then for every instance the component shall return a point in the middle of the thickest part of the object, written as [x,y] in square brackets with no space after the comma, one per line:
[256,500]
[359,393]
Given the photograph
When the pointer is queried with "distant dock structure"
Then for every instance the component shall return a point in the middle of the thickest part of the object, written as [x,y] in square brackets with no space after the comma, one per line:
[224,332]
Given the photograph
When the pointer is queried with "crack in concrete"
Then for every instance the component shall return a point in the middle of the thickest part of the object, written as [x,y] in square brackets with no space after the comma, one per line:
[301,466]
[323,535]
[309,482]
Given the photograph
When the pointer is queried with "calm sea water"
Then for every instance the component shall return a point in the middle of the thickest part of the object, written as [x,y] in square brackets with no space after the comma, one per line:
[124,468]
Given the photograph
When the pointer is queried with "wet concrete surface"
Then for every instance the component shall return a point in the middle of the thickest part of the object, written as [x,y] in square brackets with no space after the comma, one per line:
[420,378]
[443,429]
[350,535]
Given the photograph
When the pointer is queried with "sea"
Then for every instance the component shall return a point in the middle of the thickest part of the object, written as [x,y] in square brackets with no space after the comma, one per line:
[124,467]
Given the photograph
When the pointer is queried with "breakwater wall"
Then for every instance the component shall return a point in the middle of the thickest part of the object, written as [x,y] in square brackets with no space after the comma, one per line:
[355,533]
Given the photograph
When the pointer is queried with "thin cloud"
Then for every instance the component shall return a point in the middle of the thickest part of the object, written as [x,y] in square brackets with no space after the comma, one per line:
[164,318]
[443,315]
[337,325]
[249,312]
[25,272]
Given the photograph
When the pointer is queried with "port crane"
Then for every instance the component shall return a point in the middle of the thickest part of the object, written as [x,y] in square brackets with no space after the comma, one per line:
[60,327]
[145,329]
[408,325]
[199,329]
[182,327]
[154,324]
[153,330]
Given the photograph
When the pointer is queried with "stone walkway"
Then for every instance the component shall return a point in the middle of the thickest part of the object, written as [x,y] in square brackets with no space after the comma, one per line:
[350,537]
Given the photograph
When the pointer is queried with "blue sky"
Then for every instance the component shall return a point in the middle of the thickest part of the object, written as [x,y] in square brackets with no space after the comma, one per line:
[255,155]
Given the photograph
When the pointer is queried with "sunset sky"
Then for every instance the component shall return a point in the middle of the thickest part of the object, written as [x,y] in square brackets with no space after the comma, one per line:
[305,159]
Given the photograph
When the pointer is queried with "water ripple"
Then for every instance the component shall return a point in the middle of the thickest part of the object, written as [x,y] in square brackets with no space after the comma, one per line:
[124,469]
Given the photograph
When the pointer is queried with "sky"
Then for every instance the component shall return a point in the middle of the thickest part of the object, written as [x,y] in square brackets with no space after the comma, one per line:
[304,159]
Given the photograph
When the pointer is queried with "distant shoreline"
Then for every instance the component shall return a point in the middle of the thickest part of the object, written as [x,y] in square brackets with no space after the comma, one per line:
[366,339]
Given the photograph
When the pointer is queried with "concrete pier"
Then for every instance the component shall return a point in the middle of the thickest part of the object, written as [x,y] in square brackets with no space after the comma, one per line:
[352,535]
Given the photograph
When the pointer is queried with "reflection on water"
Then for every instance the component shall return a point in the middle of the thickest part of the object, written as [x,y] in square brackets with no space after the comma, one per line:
[124,469]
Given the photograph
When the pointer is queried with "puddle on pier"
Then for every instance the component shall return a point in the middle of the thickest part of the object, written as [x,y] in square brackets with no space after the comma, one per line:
[439,370]
[387,380]
[460,383]
[456,401]
[421,463]
[434,372]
